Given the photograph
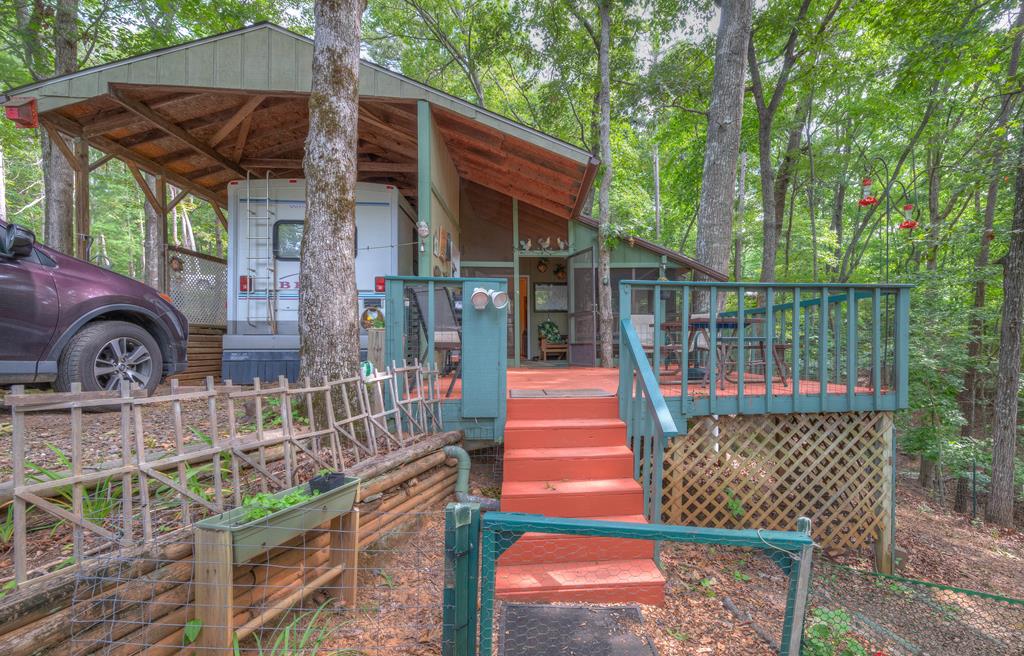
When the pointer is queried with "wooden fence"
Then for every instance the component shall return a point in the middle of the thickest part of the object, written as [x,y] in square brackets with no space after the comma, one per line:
[171,473]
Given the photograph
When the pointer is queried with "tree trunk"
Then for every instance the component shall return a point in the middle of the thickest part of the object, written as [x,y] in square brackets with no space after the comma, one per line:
[657,193]
[1004,433]
[153,240]
[58,176]
[329,305]
[725,118]
[604,287]
[926,473]
[972,378]
[741,209]
[962,499]
[3,187]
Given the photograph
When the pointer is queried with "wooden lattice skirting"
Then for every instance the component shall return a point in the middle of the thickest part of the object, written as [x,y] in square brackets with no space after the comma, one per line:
[764,471]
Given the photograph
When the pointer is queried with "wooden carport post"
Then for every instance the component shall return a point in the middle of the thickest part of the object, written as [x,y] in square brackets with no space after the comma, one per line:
[83,220]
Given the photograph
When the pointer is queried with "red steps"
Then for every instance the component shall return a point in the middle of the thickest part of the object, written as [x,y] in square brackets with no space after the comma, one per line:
[567,457]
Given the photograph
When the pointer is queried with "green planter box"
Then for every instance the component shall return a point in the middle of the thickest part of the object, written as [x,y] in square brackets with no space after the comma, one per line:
[249,539]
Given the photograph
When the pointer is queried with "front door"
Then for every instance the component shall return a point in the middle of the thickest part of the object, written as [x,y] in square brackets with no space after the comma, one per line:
[582,308]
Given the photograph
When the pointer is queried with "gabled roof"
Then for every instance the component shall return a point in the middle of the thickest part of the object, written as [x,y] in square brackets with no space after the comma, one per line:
[675,256]
[261,57]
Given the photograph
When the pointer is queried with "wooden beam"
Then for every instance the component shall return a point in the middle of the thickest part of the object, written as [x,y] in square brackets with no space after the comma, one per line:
[271,163]
[100,162]
[172,129]
[220,215]
[583,191]
[58,139]
[245,110]
[150,196]
[243,136]
[117,119]
[180,196]
[386,167]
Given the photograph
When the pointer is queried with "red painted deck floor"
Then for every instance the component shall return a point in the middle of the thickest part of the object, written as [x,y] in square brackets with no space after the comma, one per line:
[567,457]
[607,380]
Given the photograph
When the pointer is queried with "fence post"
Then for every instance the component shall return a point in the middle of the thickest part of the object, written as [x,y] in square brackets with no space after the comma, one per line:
[796,599]
[461,529]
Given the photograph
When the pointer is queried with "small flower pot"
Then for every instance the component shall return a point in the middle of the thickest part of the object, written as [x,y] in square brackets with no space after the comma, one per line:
[326,482]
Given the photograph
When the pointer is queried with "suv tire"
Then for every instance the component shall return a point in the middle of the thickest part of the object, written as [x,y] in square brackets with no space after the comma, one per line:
[105,352]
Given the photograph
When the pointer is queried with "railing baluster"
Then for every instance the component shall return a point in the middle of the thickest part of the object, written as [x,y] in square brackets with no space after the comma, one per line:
[876,343]
[430,323]
[713,349]
[901,345]
[794,374]
[823,347]
[769,349]
[741,347]
[659,314]
[684,356]
[851,345]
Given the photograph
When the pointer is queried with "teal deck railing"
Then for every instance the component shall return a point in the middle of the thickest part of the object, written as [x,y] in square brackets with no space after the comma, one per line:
[430,320]
[770,348]
[648,419]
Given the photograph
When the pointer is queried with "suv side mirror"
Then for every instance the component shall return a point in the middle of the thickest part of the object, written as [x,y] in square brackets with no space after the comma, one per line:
[18,241]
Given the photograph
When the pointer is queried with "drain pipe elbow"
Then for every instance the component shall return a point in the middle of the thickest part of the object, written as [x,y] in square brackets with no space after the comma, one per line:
[462,480]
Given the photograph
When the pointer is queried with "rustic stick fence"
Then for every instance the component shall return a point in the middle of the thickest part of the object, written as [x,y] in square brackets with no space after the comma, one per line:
[159,482]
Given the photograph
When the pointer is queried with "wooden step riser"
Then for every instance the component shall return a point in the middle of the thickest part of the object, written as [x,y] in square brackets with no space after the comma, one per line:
[576,505]
[578,469]
[591,408]
[535,549]
[647,593]
[539,438]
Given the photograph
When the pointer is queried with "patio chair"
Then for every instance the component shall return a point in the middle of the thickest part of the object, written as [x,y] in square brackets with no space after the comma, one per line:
[447,328]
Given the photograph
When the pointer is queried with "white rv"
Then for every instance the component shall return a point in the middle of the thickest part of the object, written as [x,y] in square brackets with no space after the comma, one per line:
[265,222]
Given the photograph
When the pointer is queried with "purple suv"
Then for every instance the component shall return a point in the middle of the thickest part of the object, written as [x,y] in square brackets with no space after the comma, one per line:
[63,320]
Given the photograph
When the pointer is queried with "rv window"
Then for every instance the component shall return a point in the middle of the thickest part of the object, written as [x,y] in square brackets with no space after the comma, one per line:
[287,240]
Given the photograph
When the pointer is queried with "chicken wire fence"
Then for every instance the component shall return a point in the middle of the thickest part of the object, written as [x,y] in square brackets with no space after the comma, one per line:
[197,282]
[559,586]
[857,613]
[366,587]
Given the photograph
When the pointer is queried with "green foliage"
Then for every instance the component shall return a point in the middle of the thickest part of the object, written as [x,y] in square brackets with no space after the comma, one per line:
[262,504]
[734,504]
[829,634]
[192,629]
[305,634]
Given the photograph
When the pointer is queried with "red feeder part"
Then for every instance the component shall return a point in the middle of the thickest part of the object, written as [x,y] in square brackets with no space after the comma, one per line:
[868,201]
[909,224]
[22,111]
[866,182]
[908,207]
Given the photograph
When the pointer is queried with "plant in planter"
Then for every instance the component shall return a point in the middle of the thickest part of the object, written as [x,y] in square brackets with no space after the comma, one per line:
[326,480]
[260,505]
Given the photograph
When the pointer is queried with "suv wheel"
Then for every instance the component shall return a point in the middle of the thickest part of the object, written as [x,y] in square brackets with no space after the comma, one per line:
[103,354]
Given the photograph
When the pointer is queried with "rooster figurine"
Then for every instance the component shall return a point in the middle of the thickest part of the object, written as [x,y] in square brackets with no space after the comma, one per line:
[524,244]
[562,244]
[544,243]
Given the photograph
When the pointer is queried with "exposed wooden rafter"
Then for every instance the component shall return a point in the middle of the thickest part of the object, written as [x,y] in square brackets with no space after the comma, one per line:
[173,129]
[245,110]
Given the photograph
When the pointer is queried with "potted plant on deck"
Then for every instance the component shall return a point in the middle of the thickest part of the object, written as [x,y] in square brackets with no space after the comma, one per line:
[266,520]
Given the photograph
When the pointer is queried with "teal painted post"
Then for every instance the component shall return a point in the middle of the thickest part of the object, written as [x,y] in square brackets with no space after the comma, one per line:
[431,316]
[902,345]
[474,577]
[484,357]
[837,351]
[625,373]
[488,557]
[713,349]
[741,347]
[458,627]
[424,130]
[684,340]
[394,321]
[876,344]
[516,328]
[659,315]
[851,345]
[823,349]
[796,599]
[769,349]
[794,374]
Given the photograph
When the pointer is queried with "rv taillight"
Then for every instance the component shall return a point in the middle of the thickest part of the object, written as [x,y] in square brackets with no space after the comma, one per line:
[378,284]
[243,283]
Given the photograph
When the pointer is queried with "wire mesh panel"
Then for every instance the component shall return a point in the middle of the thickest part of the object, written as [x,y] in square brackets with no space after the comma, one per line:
[198,284]
[854,613]
[561,586]
[351,585]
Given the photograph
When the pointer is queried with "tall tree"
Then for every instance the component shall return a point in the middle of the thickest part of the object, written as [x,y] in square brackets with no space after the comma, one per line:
[1004,431]
[604,287]
[328,305]
[725,118]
